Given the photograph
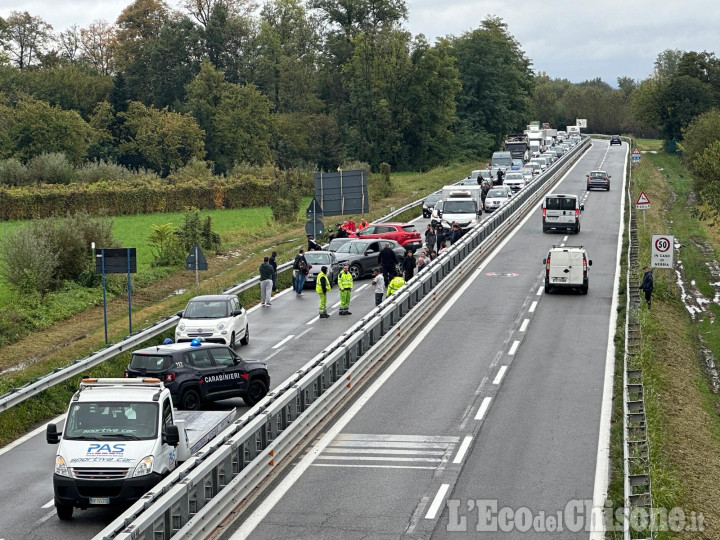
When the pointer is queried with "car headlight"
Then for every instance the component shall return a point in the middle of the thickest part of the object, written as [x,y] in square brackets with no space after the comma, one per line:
[61,467]
[181,326]
[144,467]
[221,326]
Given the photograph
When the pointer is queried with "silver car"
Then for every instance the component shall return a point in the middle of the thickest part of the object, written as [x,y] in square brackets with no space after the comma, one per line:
[316,260]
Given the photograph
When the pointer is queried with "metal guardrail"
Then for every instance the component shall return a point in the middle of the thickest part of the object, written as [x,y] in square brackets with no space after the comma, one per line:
[194,499]
[636,446]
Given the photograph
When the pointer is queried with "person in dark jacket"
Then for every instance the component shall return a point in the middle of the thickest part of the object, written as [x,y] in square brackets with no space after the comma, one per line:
[647,284]
[300,271]
[430,237]
[266,276]
[273,263]
[312,244]
[409,263]
[388,261]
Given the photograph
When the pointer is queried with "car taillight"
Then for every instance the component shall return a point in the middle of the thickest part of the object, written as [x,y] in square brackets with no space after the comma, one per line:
[577,214]
[169,377]
[584,267]
[544,212]
[547,266]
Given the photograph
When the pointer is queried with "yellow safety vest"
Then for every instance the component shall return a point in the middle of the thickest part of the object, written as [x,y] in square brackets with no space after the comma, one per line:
[345,280]
[318,286]
[395,284]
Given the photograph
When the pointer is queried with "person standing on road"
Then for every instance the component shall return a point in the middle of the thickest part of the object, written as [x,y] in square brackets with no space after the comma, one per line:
[387,260]
[409,263]
[430,237]
[266,281]
[345,284]
[395,284]
[300,271]
[379,283]
[273,263]
[500,176]
[647,284]
[322,286]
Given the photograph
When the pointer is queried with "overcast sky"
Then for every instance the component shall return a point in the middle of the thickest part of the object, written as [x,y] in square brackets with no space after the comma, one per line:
[575,40]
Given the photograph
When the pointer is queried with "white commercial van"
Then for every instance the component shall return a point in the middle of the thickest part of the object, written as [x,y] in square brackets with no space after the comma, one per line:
[561,212]
[567,267]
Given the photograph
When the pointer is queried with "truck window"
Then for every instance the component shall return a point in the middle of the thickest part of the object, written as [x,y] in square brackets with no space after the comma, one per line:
[167,414]
[560,203]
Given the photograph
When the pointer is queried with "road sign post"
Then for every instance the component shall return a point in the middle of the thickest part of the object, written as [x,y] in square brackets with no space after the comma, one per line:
[642,203]
[116,261]
[196,261]
[661,251]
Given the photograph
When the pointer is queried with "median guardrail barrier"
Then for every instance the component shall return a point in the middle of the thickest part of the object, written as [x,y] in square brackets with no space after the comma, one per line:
[195,499]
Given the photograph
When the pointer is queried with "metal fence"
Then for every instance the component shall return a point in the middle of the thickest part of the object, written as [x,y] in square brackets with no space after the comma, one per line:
[193,500]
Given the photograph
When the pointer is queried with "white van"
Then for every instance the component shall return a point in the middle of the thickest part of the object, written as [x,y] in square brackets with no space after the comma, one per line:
[567,267]
[561,212]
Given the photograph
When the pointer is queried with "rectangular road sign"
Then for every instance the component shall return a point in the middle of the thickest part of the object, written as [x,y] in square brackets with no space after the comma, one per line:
[661,251]
[636,156]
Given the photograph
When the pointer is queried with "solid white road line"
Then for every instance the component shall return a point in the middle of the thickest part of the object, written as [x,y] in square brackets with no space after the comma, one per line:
[49,504]
[463,449]
[532,307]
[284,341]
[513,347]
[524,325]
[435,506]
[483,408]
[501,374]
[370,467]
[30,435]
[380,458]
[603,454]
[385,451]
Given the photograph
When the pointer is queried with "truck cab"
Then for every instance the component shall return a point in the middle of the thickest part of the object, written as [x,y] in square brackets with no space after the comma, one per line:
[121,437]
[459,204]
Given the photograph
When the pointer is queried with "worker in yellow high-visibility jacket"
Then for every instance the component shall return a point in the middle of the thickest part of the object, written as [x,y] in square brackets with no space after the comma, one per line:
[395,284]
[345,284]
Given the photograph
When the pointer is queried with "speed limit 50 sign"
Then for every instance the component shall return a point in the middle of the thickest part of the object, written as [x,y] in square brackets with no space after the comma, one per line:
[661,251]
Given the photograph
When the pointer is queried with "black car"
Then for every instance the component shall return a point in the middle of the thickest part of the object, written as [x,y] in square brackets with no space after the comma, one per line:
[429,203]
[362,255]
[615,139]
[198,372]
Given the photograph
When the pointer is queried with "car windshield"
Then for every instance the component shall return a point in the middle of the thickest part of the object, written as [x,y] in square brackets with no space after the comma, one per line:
[598,174]
[207,309]
[335,243]
[513,176]
[560,203]
[317,258]
[431,199]
[485,173]
[497,193]
[459,207]
[109,421]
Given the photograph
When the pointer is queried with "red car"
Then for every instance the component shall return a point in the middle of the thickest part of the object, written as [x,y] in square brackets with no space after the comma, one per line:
[404,234]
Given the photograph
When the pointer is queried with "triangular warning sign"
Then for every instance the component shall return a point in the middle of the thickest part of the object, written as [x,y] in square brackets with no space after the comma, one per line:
[636,152]
[642,199]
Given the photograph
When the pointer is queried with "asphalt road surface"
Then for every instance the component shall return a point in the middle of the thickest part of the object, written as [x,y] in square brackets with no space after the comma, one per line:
[488,417]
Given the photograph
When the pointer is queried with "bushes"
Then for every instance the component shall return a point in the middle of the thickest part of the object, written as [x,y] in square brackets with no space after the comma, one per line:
[14,173]
[51,168]
[285,202]
[29,261]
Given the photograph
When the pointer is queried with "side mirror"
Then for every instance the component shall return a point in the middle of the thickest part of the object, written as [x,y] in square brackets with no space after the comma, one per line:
[544,261]
[180,314]
[237,312]
[590,262]
[582,207]
[609,176]
[171,436]
[51,435]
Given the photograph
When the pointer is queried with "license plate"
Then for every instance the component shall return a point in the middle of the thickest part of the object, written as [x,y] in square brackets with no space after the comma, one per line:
[561,279]
[99,500]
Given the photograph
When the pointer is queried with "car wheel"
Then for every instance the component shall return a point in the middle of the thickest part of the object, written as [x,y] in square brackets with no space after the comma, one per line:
[584,289]
[246,338]
[355,271]
[608,188]
[190,400]
[232,341]
[64,511]
[547,288]
[255,392]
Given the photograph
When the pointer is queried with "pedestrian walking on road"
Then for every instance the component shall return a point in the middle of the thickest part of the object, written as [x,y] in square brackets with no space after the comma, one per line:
[273,263]
[430,237]
[345,284]
[647,284]
[322,286]
[409,263]
[388,261]
[379,283]
[266,281]
[300,270]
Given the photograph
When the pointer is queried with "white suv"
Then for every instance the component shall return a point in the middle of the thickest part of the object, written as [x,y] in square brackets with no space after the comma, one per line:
[216,318]
[567,267]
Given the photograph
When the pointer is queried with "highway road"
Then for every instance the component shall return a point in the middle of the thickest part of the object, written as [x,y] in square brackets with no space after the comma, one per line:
[426,410]
[489,419]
